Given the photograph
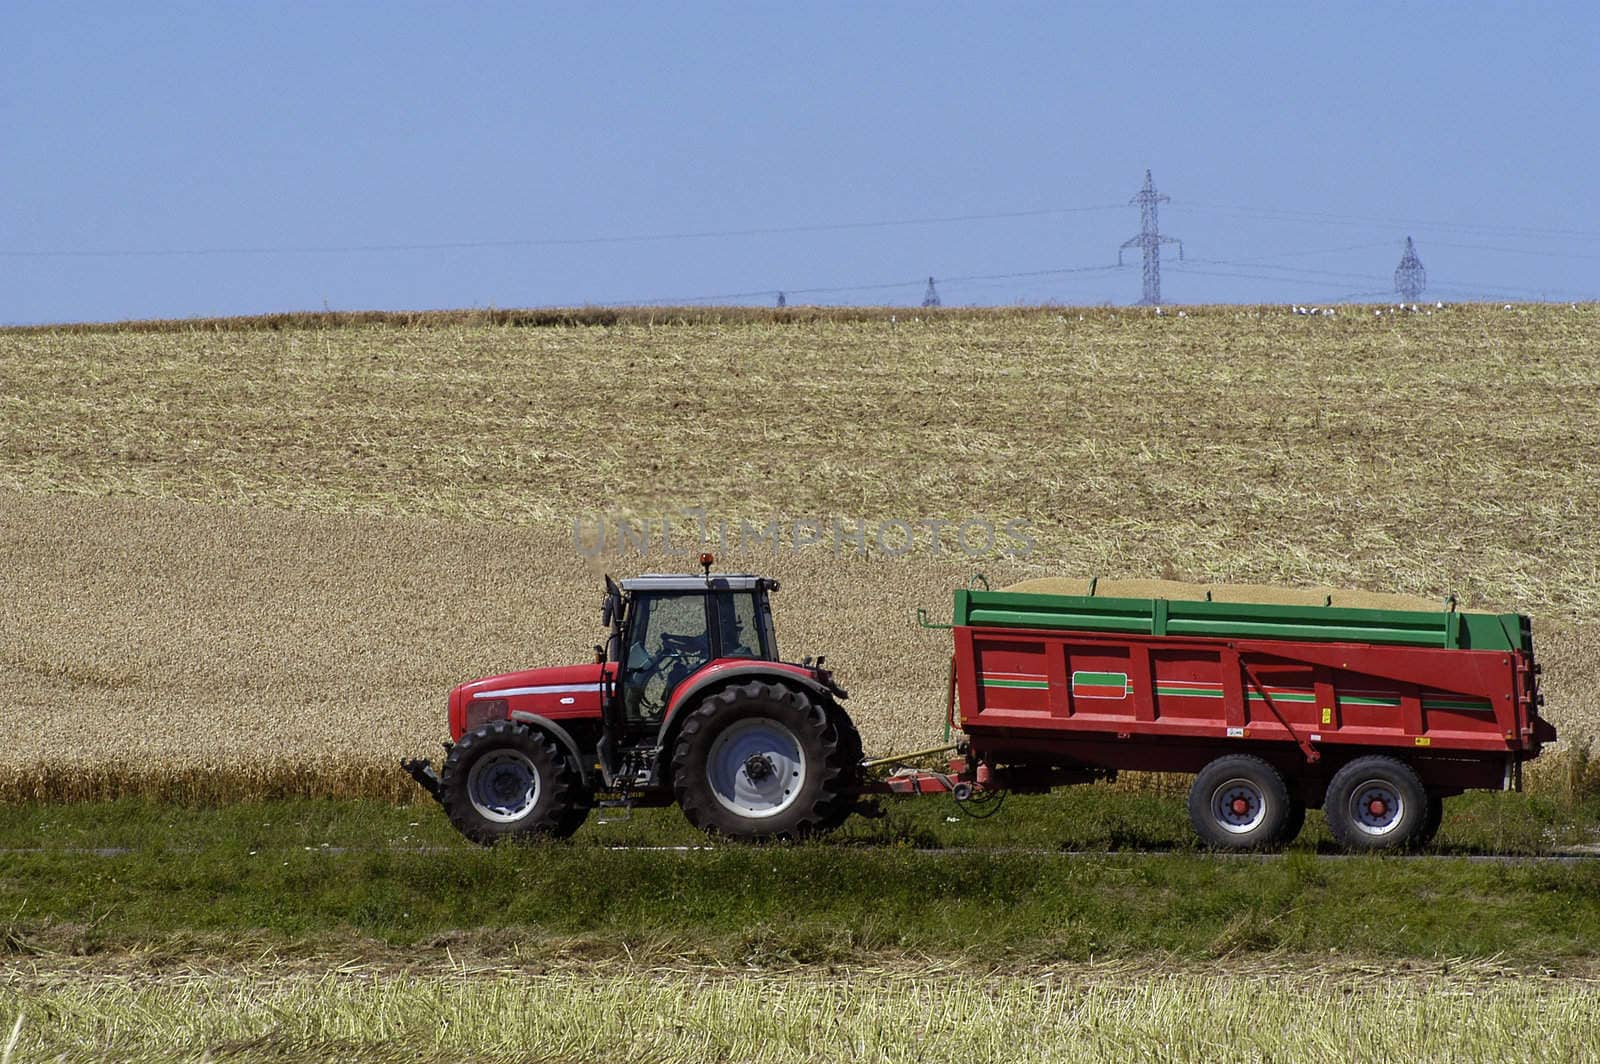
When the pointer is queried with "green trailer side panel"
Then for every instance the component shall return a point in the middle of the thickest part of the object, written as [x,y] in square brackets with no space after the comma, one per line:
[1331,624]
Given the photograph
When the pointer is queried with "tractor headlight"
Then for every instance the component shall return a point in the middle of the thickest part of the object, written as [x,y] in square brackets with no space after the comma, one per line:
[481,711]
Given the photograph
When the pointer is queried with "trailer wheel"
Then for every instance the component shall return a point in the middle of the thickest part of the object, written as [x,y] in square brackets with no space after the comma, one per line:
[761,761]
[1377,803]
[1293,824]
[1430,827]
[1239,802]
[506,781]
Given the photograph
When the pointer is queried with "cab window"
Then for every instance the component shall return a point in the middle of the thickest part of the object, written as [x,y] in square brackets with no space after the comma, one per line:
[741,630]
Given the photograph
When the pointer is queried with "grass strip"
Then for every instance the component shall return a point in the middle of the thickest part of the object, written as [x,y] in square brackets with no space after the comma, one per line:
[1087,818]
[204,874]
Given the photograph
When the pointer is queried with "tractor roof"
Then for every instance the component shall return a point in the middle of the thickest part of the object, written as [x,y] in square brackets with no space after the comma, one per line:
[698,582]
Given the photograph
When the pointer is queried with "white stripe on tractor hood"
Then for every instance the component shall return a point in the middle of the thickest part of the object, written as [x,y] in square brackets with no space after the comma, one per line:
[542,689]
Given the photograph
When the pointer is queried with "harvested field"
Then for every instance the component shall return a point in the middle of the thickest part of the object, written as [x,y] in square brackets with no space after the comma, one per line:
[1420,455]
[179,650]
[252,561]
[1089,1013]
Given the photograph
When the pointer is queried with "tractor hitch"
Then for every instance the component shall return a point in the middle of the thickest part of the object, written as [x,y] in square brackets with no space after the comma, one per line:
[420,770]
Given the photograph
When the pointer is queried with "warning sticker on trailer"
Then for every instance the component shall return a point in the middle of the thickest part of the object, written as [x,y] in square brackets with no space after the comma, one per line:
[1100,685]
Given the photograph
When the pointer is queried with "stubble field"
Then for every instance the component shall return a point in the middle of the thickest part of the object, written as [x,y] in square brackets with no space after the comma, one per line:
[248,561]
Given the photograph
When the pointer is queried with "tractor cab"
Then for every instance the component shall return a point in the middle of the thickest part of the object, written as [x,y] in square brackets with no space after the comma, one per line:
[666,628]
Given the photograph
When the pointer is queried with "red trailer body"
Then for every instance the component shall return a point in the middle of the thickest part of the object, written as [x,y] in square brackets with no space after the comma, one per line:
[1034,697]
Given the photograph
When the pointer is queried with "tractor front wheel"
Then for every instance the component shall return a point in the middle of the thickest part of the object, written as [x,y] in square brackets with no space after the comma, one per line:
[507,781]
[762,761]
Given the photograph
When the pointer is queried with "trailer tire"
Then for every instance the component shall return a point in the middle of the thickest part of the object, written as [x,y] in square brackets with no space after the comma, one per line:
[1293,824]
[1430,827]
[1377,803]
[1239,802]
[505,781]
[762,761]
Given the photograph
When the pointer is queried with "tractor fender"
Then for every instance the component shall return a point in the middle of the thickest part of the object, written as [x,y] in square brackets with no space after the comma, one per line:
[715,675]
[562,737]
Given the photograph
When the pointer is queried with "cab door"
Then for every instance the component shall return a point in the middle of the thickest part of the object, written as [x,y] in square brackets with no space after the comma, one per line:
[667,639]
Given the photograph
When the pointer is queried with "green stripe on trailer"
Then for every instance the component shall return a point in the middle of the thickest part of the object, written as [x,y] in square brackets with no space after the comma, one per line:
[1029,684]
[1449,629]
[1100,685]
[1456,703]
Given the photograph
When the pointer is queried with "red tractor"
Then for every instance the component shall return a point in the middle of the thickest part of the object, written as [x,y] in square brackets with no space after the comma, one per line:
[687,701]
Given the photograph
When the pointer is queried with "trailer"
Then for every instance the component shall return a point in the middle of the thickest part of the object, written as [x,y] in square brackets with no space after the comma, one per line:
[1374,716]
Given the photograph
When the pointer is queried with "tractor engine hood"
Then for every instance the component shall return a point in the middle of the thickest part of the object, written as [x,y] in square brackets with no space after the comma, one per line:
[560,692]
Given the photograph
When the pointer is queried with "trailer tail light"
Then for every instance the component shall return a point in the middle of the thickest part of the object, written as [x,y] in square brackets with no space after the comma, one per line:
[482,711]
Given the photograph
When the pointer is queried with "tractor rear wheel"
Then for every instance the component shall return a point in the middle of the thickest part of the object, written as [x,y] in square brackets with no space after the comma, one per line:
[851,754]
[761,760]
[507,781]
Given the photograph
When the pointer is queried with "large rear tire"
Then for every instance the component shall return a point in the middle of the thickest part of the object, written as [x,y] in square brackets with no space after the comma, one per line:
[761,760]
[1377,803]
[507,781]
[1240,802]
[851,754]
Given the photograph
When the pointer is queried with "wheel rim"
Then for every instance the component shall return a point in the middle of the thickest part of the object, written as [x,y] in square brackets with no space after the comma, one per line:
[1376,807]
[756,768]
[1238,805]
[503,785]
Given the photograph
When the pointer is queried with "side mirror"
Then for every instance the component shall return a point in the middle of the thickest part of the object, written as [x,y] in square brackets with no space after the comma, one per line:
[606,611]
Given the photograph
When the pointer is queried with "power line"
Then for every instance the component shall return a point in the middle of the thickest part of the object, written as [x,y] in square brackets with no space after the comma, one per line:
[461,245]
[766,293]
[1329,218]
[1261,277]
[1291,269]
[1547,252]
[1259,259]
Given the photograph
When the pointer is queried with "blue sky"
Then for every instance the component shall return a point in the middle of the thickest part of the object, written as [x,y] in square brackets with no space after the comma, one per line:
[1299,146]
